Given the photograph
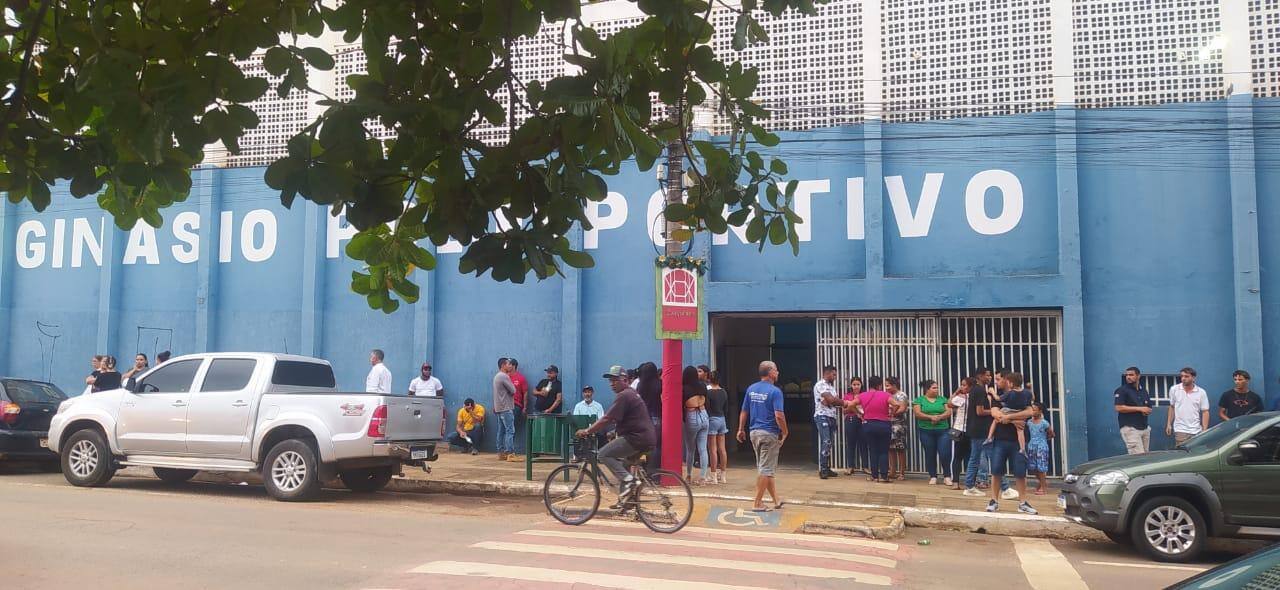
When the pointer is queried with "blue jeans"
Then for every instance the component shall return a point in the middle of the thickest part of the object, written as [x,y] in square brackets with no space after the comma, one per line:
[506,432]
[855,445]
[696,427]
[826,426]
[1005,453]
[937,444]
[878,433]
[655,456]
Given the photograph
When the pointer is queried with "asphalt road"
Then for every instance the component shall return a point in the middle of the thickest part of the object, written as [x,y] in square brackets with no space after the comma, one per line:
[140,533]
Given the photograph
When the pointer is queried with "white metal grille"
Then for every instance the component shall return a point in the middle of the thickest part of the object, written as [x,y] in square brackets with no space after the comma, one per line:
[278,120]
[945,59]
[1140,52]
[947,347]
[1264,46]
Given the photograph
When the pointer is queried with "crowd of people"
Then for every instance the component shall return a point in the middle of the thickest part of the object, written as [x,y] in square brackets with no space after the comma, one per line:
[105,375]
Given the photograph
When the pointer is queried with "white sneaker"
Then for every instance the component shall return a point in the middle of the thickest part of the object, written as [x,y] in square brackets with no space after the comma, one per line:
[1026,508]
[946,481]
[933,481]
[993,506]
[721,477]
[974,492]
[1009,494]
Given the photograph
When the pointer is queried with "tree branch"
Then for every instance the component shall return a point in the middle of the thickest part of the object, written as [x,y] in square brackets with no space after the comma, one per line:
[20,87]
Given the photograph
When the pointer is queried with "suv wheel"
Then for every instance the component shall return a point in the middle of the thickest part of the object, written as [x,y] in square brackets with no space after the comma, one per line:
[291,472]
[87,460]
[366,480]
[1168,528]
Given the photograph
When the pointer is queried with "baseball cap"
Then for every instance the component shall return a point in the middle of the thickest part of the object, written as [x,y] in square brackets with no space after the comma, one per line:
[552,369]
[588,388]
[616,371]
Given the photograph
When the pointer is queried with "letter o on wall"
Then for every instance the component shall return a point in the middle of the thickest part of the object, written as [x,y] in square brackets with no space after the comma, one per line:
[975,202]
[248,227]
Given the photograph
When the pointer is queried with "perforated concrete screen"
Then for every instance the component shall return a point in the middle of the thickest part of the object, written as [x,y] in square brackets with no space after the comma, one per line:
[1264,46]
[945,59]
[278,120]
[1141,52]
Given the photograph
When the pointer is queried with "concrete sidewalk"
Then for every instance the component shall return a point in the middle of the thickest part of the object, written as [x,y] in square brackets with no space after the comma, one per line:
[919,504]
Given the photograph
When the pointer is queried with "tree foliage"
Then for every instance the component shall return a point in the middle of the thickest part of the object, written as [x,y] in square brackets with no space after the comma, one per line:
[121,97]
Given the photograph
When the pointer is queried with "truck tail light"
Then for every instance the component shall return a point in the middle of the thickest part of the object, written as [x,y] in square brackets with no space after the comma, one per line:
[378,423]
[9,412]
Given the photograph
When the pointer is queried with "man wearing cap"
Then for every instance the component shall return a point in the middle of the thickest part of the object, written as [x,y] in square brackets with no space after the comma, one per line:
[426,385]
[467,429]
[548,397]
[590,407]
[634,429]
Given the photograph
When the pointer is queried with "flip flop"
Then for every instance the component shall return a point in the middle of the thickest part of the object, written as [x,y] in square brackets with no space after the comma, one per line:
[764,509]
[779,505]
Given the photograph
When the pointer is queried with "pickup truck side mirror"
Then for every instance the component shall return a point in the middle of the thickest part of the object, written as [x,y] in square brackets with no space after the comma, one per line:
[1238,456]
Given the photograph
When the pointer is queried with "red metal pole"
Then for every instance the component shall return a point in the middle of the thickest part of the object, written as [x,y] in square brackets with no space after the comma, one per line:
[672,406]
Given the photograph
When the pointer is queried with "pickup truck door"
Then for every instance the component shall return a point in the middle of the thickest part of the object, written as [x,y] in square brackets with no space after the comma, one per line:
[1248,490]
[153,420]
[218,420]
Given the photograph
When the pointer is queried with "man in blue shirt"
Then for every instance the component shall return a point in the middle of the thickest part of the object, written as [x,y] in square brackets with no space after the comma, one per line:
[762,414]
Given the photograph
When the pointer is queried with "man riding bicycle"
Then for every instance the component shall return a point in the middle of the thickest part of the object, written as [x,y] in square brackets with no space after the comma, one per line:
[634,428]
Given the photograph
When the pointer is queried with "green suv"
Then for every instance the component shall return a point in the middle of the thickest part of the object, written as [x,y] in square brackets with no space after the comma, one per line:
[1224,482]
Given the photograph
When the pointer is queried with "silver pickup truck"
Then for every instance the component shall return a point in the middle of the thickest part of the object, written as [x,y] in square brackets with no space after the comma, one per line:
[274,414]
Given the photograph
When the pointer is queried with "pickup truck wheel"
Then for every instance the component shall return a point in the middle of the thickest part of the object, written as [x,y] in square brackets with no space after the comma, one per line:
[86,459]
[169,475]
[291,472]
[1168,528]
[366,480]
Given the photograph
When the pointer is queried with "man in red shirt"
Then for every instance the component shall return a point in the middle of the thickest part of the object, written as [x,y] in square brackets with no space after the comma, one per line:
[522,389]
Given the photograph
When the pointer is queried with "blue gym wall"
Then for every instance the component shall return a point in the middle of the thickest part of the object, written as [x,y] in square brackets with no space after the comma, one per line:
[1156,232]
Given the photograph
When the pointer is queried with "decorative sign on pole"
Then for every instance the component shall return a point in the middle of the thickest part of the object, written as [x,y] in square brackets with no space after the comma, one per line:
[680,310]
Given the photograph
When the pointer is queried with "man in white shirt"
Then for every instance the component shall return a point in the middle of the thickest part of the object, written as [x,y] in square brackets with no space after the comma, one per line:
[826,401]
[425,385]
[1189,408]
[379,379]
[589,407]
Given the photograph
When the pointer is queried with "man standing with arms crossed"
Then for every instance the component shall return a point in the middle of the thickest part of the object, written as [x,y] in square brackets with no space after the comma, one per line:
[825,403]
[762,414]
[503,407]
[1188,409]
[1133,405]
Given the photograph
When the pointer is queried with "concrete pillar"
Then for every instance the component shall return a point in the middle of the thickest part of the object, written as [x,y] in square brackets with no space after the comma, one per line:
[208,193]
[873,201]
[313,290]
[109,278]
[8,241]
[1075,398]
[424,314]
[571,327]
[1245,249]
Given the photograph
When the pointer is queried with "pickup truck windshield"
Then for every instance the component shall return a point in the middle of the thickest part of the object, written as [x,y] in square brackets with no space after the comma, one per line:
[302,374]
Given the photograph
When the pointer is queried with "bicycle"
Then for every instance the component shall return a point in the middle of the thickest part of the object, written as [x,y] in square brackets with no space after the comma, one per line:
[664,509]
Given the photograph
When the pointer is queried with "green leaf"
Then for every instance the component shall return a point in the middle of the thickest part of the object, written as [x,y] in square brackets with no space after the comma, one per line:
[678,212]
[277,61]
[317,58]
[777,231]
[777,166]
[577,259]
[755,229]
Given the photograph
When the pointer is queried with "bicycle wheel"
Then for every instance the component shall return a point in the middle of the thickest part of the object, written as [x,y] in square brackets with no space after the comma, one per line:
[575,501]
[664,508]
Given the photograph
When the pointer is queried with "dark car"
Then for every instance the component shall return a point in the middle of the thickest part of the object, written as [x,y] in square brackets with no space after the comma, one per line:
[1258,570]
[1220,483]
[25,410]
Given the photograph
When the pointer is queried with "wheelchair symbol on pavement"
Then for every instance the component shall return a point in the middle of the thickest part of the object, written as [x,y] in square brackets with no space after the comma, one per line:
[742,517]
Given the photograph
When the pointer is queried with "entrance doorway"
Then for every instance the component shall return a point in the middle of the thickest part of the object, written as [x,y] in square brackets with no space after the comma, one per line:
[943,346]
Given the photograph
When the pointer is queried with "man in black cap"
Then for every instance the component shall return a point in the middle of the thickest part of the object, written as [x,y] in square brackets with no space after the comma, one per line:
[548,397]
[635,430]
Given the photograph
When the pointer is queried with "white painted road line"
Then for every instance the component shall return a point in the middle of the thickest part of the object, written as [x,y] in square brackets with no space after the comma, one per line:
[537,574]
[762,567]
[672,541]
[1149,566]
[1045,567]
[760,535]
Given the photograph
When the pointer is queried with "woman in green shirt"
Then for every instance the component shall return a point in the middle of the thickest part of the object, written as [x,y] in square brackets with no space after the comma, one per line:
[932,424]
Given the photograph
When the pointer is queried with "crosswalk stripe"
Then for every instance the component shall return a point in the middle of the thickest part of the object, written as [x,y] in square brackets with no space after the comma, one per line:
[537,574]
[668,558]
[762,535]
[853,557]
[1045,567]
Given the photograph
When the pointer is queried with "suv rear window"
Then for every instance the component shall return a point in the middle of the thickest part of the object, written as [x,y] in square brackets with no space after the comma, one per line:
[302,374]
[32,392]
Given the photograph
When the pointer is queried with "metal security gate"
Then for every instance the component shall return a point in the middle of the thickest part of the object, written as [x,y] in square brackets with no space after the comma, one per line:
[947,347]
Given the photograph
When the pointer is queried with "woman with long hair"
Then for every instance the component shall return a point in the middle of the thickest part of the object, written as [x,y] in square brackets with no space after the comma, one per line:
[855,445]
[717,404]
[649,386]
[932,414]
[877,408]
[898,438]
[109,377]
[696,425]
